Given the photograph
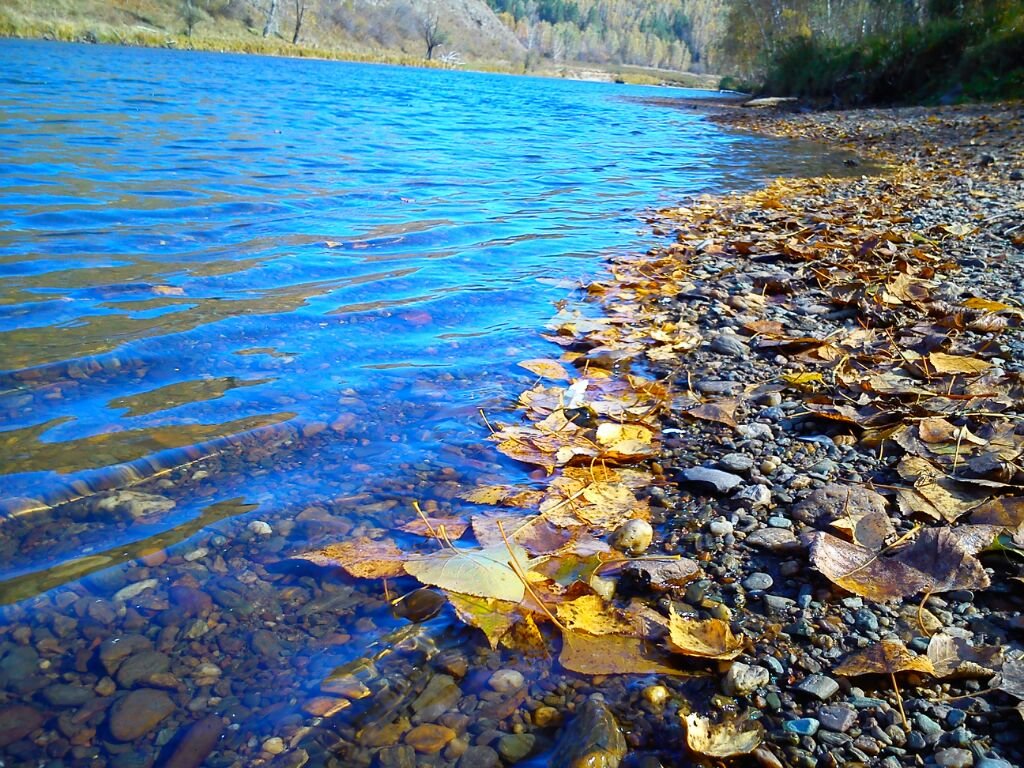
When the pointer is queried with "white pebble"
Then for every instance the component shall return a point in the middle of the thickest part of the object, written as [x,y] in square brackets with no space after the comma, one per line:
[260,528]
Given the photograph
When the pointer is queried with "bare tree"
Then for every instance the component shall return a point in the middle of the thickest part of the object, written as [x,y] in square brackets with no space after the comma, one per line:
[191,14]
[433,35]
[268,28]
[300,13]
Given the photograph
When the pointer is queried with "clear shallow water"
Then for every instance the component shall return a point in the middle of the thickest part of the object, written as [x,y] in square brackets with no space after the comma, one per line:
[253,287]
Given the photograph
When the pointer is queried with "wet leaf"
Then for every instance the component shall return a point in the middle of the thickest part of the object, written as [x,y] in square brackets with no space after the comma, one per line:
[886,657]
[613,655]
[477,572]
[362,558]
[594,616]
[549,369]
[626,442]
[733,736]
[704,638]
[1011,678]
[453,527]
[955,657]
[493,617]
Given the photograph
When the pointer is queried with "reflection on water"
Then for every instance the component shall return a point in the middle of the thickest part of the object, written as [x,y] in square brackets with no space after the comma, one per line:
[249,307]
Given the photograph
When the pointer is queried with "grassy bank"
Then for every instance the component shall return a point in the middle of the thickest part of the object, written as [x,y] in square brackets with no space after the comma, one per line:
[974,57]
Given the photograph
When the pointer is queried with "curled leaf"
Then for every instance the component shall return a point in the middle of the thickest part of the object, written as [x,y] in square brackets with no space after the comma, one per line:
[886,657]
[707,638]
[733,736]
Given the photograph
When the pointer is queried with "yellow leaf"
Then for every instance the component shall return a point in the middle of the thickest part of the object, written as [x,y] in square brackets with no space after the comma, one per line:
[733,736]
[362,558]
[592,615]
[943,363]
[612,655]
[549,369]
[477,572]
[987,305]
[802,380]
[708,638]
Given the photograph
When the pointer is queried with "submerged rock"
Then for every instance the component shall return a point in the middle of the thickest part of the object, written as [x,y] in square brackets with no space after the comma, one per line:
[591,739]
[138,713]
[198,742]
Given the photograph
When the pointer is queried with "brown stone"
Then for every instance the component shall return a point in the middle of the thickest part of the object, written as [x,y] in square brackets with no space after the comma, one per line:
[17,721]
[429,738]
[135,715]
[198,742]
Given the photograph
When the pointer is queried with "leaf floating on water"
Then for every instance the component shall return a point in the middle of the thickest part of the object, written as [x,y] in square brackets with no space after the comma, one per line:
[453,527]
[626,442]
[492,617]
[477,572]
[733,736]
[549,369]
[362,558]
[955,657]
[594,616]
[704,638]
[887,657]
[613,655]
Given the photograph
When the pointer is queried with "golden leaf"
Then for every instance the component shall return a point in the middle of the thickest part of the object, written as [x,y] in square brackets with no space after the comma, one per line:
[594,616]
[362,558]
[549,369]
[613,655]
[705,638]
[733,736]
[886,657]
[943,363]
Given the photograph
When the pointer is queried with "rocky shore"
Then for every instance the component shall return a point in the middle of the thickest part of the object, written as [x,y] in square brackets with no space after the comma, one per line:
[836,469]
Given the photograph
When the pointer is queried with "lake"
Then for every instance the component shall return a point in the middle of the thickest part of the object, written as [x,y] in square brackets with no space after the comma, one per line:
[252,306]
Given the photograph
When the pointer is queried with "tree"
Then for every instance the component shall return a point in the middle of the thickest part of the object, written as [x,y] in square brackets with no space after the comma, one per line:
[433,35]
[271,14]
[300,13]
[191,14]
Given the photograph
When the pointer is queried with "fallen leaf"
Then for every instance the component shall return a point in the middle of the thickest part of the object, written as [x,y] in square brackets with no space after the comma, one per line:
[613,655]
[943,363]
[705,638]
[549,369]
[956,657]
[936,562]
[886,657]
[626,442]
[592,615]
[477,572]
[1011,678]
[739,735]
[453,527]
[722,411]
[362,558]
[493,617]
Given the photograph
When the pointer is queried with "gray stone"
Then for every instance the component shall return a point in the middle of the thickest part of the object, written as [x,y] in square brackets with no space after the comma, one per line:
[819,686]
[479,757]
[138,713]
[992,762]
[17,721]
[513,747]
[729,344]
[742,679]
[440,695]
[758,582]
[114,650]
[720,527]
[141,667]
[755,497]
[837,717]
[64,695]
[928,728]
[592,738]
[954,758]
[197,743]
[736,463]
[774,540]
[755,431]
[506,680]
[135,504]
[132,591]
[711,479]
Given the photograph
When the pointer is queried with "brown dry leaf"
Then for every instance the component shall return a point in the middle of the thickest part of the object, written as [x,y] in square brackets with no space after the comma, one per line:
[936,561]
[705,638]
[594,616]
[533,534]
[493,617]
[872,530]
[549,369]
[613,655]
[722,411]
[738,735]
[943,363]
[362,558]
[1007,513]
[955,657]
[1011,678]
[934,494]
[886,657]
[453,527]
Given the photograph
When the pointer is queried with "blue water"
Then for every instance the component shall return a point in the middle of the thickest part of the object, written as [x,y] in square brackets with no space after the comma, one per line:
[255,285]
